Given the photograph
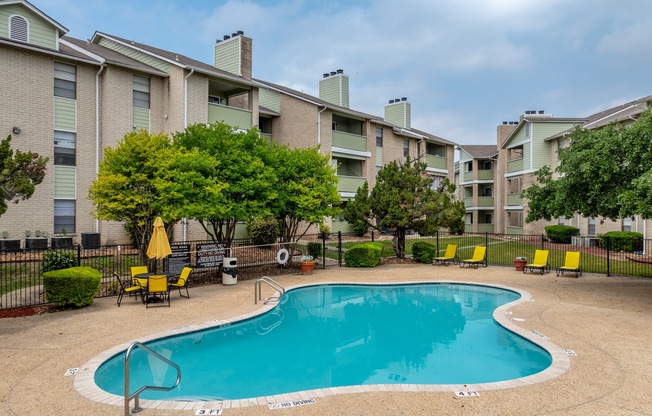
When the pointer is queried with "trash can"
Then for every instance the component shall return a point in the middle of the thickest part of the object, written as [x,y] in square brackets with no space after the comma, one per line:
[230,271]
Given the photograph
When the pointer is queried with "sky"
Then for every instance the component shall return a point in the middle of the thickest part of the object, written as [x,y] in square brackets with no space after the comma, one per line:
[464,65]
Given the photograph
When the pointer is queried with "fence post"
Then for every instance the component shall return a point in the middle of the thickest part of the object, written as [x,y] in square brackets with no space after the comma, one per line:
[339,248]
[323,250]
[78,255]
[437,241]
[606,240]
[372,235]
[543,241]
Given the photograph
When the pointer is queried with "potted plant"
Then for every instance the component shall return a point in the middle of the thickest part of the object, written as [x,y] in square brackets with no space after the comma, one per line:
[307,264]
[519,263]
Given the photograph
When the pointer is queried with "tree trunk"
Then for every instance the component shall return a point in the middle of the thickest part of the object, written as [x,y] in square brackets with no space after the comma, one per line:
[398,242]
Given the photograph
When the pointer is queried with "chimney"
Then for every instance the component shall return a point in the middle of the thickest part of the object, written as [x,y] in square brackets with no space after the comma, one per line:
[234,54]
[504,130]
[399,112]
[334,88]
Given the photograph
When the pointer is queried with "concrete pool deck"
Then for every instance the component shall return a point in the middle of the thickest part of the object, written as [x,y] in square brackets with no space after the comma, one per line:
[606,321]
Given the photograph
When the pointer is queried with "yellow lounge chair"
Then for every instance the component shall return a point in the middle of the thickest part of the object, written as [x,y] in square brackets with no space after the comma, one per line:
[540,262]
[479,258]
[182,281]
[449,256]
[571,264]
[127,288]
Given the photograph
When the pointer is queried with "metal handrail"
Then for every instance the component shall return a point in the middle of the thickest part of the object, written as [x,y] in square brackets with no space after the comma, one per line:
[272,283]
[134,396]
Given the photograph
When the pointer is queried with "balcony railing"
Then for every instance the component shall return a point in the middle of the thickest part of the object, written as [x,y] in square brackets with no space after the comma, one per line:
[514,199]
[515,165]
[468,176]
[486,175]
[485,228]
[485,201]
[349,141]
[515,230]
[468,202]
[436,162]
[349,183]
[234,117]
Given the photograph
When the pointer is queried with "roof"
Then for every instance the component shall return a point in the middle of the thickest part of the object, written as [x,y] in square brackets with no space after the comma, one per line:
[540,118]
[480,151]
[35,9]
[65,53]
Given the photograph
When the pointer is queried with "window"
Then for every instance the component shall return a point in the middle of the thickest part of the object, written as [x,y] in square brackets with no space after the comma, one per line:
[265,125]
[64,215]
[469,218]
[515,219]
[406,148]
[468,166]
[487,191]
[561,220]
[514,186]
[379,137]
[436,182]
[18,28]
[591,226]
[141,91]
[627,224]
[435,149]
[65,80]
[64,148]
[488,218]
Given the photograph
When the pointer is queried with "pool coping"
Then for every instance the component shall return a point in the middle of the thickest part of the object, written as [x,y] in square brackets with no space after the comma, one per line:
[84,382]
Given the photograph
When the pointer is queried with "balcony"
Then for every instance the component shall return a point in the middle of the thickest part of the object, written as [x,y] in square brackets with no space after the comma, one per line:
[349,141]
[468,177]
[468,202]
[485,228]
[349,183]
[515,165]
[514,230]
[436,162]
[234,117]
[486,175]
[486,201]
[514,199]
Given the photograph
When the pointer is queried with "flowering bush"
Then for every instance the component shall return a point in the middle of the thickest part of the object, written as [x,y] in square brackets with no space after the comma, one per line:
[521,258]
[306,258]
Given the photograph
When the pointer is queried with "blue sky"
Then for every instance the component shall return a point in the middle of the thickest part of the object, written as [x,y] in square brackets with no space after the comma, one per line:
[464,65]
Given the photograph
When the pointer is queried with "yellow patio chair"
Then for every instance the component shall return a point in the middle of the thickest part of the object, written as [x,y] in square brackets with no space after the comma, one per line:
[128,288]
[571,264]
[139,270]
[479,258]
[182,282]
[157,291]
[450,256]
[539,263]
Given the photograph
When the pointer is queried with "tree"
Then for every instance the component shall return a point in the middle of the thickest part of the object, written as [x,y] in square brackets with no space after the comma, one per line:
[602,173]
[238,183]
[20,172]
[132,183]
[305,190]
[404,199]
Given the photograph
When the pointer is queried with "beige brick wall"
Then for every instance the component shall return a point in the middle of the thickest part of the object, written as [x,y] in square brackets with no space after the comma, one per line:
[297,125]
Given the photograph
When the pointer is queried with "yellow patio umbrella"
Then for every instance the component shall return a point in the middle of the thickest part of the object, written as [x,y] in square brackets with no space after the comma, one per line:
[159,246]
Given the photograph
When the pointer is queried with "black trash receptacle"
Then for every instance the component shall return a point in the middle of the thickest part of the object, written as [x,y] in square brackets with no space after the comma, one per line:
[230,271]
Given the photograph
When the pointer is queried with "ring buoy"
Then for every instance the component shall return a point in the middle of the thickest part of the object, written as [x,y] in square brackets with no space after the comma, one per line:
[282,256]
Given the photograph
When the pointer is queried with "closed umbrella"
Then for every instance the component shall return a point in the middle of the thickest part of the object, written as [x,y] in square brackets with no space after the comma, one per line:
[159,246]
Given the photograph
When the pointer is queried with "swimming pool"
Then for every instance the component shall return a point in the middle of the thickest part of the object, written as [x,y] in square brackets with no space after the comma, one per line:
[342,335]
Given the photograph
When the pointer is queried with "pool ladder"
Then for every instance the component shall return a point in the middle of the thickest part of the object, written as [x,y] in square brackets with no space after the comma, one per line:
[136,394]
[273,284]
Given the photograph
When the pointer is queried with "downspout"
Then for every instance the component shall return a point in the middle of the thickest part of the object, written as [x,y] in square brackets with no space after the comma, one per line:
[97,132]
[185,124]
[319,127]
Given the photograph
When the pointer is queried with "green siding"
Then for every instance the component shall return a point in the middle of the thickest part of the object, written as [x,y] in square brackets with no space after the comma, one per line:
[349,141]
[349,184]
[141,118]
[65,114]
[519,137]
[485,175]
[234,117]
[527,159]
[270,99]
[436,162]
[227,55]
[41,32]
[137,55]
[335,90]
[64,182]
[399,114]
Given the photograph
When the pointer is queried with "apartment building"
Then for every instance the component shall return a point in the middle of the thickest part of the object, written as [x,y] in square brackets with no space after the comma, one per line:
[477,178]
[69,99]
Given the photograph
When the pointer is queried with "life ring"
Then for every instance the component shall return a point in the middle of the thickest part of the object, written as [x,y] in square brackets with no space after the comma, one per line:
[282,256]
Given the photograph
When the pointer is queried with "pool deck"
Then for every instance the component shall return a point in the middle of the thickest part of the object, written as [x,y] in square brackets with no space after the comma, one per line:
[606,321]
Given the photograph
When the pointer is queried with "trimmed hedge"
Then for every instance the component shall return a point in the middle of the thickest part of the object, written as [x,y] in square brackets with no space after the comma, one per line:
[424,252]
[75,286]
[628,241]
[562,233]
[57,260]
[314,249]
[364,255]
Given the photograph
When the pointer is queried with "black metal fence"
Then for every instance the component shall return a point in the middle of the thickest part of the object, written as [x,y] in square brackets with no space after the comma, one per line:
[21,271]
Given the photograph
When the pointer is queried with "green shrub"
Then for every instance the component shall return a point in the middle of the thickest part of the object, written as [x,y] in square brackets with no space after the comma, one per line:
[263,231]
[75,286]
[628,241]
[561,233]
[364,255]
[424,252]
[57,260]
[314,249]
[360,227]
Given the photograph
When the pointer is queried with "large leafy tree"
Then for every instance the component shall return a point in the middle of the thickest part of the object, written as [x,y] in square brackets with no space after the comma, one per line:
[236,186]
[305,190]
[602,173]
[131,185]
[404,199]
[20,172]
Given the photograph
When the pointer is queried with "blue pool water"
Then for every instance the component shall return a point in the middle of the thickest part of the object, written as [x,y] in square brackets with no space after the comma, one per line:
[341,335]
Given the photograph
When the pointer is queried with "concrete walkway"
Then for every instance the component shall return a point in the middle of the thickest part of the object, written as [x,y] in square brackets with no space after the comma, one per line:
[607,321]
